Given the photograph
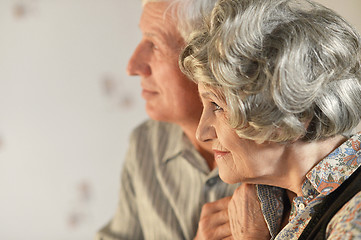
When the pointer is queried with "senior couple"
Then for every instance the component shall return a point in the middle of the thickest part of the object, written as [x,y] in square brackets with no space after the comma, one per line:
[266,94]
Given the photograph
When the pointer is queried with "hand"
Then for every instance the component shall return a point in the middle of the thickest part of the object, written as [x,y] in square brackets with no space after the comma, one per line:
[245,215]
[214,222]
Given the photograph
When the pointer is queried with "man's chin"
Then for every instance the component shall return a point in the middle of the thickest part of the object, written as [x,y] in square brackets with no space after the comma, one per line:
[155,114]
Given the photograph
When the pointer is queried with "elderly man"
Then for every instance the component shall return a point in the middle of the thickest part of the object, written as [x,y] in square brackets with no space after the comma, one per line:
[170,187]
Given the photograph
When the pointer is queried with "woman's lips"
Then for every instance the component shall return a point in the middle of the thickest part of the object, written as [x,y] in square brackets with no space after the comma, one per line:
[218,154]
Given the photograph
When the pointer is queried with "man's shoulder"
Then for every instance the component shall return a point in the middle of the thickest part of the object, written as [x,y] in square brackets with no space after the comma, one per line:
[155,140]
[155,129]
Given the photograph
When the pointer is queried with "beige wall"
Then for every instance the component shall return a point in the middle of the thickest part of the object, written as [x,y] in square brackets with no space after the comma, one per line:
[62,134]
[66,110]
[349,9]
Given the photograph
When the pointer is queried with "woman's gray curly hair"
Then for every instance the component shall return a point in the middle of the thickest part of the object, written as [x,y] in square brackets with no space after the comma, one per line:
[287,69]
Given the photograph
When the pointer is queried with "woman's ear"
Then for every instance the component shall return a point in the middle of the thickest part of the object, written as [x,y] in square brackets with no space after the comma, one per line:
[309,127]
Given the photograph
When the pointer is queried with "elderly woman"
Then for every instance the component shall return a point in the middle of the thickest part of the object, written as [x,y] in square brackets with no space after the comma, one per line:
[280,83]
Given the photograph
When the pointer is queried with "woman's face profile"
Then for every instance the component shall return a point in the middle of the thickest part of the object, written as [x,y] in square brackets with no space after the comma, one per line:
[238,159]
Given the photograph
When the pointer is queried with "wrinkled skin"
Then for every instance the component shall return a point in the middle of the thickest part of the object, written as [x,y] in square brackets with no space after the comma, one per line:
[214,221]
[245,215]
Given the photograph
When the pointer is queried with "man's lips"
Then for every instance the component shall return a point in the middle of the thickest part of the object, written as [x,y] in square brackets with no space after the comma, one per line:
[148,93]
[218,154]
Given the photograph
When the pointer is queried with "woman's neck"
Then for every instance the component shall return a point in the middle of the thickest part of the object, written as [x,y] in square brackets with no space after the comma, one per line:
[301,157]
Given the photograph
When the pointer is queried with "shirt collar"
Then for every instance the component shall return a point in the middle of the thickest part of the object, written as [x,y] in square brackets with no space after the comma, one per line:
[175,144]
[180,145]
[333,170]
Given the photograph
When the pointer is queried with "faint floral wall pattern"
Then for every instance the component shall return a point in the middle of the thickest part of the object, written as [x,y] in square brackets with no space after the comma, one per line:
[67,107]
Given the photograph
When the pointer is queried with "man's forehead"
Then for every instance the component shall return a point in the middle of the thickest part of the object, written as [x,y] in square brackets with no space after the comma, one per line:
[155,15]
[157,11]
[148,1]
[157,22]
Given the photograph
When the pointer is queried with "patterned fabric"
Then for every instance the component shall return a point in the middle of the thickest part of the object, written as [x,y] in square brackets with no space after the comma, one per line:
[164,184]
[272,199]
[323,179]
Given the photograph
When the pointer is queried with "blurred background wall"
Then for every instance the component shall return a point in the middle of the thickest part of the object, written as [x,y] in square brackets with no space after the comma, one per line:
[66,110]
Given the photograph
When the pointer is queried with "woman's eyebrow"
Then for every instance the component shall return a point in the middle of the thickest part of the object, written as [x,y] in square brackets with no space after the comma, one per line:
[208,95]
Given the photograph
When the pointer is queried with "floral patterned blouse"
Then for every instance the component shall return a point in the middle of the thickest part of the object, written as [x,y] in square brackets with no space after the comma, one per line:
[322,180]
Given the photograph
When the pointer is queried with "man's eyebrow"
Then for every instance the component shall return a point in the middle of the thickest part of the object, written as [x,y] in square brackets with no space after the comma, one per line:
[157,36]
[149,34]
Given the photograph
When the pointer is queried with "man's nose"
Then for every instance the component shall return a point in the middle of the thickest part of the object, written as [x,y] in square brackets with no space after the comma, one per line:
[205,131]
[138,63]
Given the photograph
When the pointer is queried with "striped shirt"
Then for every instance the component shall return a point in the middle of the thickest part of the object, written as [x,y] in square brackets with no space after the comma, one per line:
[164,184]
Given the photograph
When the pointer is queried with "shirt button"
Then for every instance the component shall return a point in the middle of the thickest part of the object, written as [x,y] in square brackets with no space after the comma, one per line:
[301,206]
[211,182]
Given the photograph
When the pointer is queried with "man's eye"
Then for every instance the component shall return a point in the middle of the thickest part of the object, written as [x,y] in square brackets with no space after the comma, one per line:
[216,107]
[153,46]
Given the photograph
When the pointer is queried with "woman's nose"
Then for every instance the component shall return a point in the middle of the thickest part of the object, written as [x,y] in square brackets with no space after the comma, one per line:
[139,62]
[205,131]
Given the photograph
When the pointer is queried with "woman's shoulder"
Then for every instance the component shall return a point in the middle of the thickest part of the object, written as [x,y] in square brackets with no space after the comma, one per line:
[346,224]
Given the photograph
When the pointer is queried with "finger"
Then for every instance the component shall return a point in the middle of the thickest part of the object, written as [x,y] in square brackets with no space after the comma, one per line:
[223,231]
[215,233]
[214,220]
[228,238]
[216,206]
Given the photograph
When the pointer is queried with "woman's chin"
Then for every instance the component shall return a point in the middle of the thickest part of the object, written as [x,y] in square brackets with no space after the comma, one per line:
[228,178]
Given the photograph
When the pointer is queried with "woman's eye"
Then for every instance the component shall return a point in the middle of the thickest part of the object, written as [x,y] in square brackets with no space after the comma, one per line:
[216,107]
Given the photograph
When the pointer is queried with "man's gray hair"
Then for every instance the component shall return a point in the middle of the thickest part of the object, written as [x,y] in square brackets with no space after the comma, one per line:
[280,65]
[189,14]
[147,1]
